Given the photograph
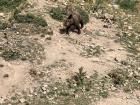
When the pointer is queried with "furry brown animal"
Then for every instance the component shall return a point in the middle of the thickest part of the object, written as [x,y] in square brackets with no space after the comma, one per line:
[73,22]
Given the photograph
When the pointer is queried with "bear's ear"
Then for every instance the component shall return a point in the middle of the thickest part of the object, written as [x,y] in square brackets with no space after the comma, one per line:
[70,16]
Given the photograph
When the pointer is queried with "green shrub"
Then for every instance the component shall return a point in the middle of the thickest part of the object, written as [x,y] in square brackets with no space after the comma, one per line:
[10,55]
[3,25]
[84,15]
[9,5]
[30,18]
[98,3]
[58,13]
[128,4]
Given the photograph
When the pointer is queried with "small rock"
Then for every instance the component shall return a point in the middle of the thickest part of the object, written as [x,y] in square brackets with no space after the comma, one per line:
[1,100]
[116,6]
[17,33]
[42,35]
[138,68]
[113,88]
[130,27]
[35,38]
[1,65]
[108,16]
[22,100]
[131,74]
[48,38]
[43,88]
[2,15]
[105,26]
[6,75]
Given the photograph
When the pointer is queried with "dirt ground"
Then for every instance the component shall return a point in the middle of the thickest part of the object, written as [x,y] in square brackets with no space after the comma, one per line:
[61,48]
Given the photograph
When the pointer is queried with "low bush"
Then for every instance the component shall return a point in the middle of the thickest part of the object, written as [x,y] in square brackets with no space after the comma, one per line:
[30,18]
[9,5]
[58,13]
[128,4]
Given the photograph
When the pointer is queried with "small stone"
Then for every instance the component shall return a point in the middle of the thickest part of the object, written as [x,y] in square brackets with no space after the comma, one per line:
[105,26]
[2,15]
[131,74]
[138,68]
[42,35]
[22,100]
[130,27]
[108,16]
[116,6]
[1,100]
[17,33]
[43,88]
[1,65]
[35,38]
[55,88]
[113,88]
[6,75]
[44,92]
[48,38]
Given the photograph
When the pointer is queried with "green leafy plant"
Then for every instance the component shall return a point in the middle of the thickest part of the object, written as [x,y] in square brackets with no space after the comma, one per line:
[80,77]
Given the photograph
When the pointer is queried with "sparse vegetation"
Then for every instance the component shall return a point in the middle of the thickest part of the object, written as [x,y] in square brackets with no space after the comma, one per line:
[131,42]
[128,4]
[84,15]
[6,5]
[3,25]
[22,48]
[58,13]
[127,79]
[21,42]
[30,18]
[10,55]
[91,51]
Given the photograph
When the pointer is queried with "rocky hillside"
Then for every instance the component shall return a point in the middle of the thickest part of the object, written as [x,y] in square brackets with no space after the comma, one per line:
[41,66]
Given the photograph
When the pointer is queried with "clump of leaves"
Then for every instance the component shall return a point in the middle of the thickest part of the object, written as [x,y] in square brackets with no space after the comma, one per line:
[58,13]
[30,18]
[9,5]
[91,51]
[3,25]
[128,4]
